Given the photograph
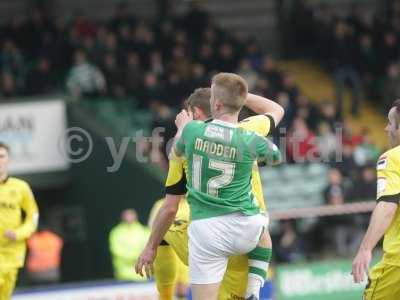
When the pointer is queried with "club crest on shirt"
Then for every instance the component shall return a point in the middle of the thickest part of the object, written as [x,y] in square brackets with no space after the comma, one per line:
[382,163]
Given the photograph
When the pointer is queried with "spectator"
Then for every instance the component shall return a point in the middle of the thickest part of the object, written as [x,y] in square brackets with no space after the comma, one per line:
[366,152]
[133,73]
[248,73]
[289,86]
[367,59]
[270,71]
[347,165]
[289,247]
[44,257]
[121,17]
[301,144]
[41,79]
[207,58]
[343,58]
[152,90]
[114,77]
[156,63]
[391,87]
[180,63]
[11,59]
[327,142]
[196,19]
[227,61]
[329,114]
[365,188]
[308,111]
[388,50]
[8,88]
[85,79]
[337,227]
[127,240]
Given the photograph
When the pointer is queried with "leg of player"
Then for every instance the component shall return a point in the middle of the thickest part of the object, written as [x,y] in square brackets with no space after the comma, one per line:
[259,260]
[182,284]
[165,272]
[205,291]
[7,283]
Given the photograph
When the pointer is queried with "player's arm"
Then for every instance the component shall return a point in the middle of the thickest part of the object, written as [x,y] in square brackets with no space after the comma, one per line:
[30,208]
[264,106]
[388,197]
[181,120]
[162,222]
[266,151]
[175,188]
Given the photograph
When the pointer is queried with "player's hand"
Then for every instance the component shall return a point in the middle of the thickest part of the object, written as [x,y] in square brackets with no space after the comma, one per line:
[184,117]
[146,260]
[11,235]
[360,265]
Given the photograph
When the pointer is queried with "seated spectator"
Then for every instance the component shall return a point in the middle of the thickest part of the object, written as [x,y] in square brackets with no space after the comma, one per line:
[348,137]
[365,188]
[270,71]
[301,143]
[329,114]
[327,142]
[127,240]
[339,229]
[289,86]
[391,86]
[44,256]
[41,79]
[114,77]
[152,90]
[288,248]
[226,61]
[8,88]
[366,152]
[11,59]
[85,79]
[133,74]
[347,164]
[307,110]
[248,73]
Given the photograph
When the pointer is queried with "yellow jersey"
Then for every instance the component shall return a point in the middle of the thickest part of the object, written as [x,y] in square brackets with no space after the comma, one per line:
[16,196]
[176,179]
[388,189]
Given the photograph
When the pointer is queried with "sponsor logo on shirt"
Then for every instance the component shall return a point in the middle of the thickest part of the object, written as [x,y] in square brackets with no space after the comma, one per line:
[381,185]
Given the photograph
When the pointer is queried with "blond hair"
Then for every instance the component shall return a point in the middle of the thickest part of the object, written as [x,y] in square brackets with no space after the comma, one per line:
[231,90]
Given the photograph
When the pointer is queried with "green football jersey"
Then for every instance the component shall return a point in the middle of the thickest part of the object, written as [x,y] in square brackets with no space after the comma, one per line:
[220,160]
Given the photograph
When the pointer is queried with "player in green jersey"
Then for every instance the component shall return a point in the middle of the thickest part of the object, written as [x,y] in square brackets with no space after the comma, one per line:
[225,217]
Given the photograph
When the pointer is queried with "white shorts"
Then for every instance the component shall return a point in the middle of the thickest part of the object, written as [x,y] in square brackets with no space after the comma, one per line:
[213,240]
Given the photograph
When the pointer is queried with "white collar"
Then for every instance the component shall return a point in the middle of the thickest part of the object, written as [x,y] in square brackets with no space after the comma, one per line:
[223,123]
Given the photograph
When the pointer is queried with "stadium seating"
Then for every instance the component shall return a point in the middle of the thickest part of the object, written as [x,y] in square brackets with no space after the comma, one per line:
[294,186]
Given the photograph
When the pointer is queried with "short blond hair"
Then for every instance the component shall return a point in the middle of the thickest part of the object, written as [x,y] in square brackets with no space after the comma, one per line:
[231,90]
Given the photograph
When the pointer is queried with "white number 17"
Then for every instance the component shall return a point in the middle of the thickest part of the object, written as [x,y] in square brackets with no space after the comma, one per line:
[214,183]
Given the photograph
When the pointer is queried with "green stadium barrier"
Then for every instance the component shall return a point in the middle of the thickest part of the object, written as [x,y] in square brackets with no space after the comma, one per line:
[328,280]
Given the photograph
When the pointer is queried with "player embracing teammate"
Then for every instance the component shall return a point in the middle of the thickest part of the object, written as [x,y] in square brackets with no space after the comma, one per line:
[225,216]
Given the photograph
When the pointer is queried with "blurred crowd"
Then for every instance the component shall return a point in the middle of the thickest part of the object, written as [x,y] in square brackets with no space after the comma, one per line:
[157,64]
[360,48]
